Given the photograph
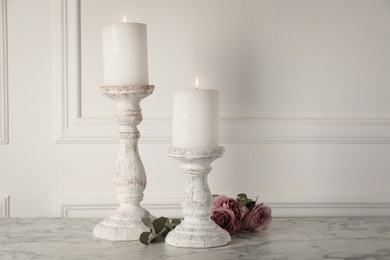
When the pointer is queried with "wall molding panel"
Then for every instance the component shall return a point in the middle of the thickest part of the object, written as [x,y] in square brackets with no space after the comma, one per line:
[71,127]
[4,139]
[282,204]
[4,206]
[102,205]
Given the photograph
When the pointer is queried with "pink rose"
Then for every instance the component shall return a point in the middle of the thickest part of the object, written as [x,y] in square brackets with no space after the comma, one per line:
[225,219]
[228,203]
[257,219]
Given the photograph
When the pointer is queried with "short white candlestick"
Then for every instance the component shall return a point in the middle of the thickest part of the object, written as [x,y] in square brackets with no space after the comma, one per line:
[197,230]
[129,178]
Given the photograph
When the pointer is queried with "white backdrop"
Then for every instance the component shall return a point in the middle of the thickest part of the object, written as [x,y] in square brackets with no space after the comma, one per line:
[304,86]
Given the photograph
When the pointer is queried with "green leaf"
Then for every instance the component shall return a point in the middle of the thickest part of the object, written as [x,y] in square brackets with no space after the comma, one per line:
[250,204]
[144,238]
[242,196]
[242,199]
[175,222]
[147,222]
[159,224]
[162,233]
[168,225]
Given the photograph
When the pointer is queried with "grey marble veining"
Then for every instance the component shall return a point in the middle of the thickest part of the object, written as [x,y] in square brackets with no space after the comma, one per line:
[287,238]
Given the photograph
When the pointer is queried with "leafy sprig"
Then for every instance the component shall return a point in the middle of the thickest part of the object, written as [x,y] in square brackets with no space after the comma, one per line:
[159,228]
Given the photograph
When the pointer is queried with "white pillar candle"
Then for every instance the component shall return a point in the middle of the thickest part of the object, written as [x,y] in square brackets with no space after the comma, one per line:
[195,120]
[125,54]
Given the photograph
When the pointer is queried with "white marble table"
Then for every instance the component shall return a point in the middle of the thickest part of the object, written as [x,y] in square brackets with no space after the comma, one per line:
[287,238]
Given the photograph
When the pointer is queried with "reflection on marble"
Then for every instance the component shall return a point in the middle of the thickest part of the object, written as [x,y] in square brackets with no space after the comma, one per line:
[287,238]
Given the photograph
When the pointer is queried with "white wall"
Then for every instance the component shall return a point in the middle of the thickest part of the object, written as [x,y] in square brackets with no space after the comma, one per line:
[305,117]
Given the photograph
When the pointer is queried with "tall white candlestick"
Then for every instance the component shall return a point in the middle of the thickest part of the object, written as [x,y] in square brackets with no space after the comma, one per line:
[125,54]
[195,121]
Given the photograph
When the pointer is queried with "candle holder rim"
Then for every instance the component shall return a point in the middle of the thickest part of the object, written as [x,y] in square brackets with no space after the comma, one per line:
[126,88]
[196,152]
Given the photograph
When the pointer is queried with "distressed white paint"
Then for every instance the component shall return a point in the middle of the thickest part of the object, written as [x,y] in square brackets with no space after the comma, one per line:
[129,178]
[197,230]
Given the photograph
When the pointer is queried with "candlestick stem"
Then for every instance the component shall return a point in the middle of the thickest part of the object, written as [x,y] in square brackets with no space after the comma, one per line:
[129,178]
[197,230]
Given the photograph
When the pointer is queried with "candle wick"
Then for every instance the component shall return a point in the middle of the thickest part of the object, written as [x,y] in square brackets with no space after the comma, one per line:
[196,83]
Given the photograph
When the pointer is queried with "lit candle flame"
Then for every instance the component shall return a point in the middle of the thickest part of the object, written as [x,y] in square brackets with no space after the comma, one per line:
[124,19]
[196,83]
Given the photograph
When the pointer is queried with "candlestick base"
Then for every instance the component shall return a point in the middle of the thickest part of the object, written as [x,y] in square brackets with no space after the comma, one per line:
[115,229]
[129,177]
[196,236]
[197,230]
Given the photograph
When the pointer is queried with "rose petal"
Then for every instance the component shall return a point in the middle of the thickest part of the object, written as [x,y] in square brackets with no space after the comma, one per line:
[257,219]
[225,219]
[218,200]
